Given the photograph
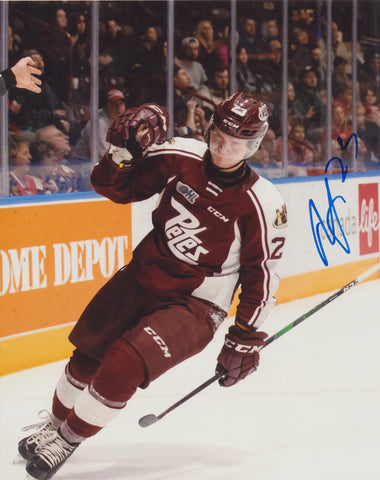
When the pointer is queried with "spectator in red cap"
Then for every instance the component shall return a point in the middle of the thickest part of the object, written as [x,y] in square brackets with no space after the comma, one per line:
[114,105]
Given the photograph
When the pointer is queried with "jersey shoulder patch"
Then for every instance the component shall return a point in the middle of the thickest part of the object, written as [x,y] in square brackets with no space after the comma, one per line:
[265,194]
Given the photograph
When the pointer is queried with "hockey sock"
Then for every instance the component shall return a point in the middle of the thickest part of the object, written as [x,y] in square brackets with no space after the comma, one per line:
[78,374]
[89,415]
[67,391]
[120,373]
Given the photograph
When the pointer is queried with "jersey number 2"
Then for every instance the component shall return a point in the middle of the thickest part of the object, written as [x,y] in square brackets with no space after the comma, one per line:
[277,252]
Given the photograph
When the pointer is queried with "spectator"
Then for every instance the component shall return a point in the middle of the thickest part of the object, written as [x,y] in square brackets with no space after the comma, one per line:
[57,47]
[148,54]
[371,105]
[308,104]
[60,141]
[181,82]
[191,121]
[318,64]
[248,39]
[345,100]
[113,54]
[270,69]
[300,53]
[269,31]
[208,49]
[270,144]
[369,73]
[261,159]
[81,52]
[216,88]
[15,121]
[67,179]
[13,47]
[21,75]
[20,183]
[369,132]
[188,61]
[300,150]
[338,47]
[291,100]
[114,105]
[54,176]
[246,80]
[276,112]
[340,127]
[309,21]
[340,78]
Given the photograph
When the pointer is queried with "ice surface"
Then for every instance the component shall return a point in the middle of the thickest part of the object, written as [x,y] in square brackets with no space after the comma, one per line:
[311,411]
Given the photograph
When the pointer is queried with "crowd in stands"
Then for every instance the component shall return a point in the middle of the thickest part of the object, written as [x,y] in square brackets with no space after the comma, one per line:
[49,133]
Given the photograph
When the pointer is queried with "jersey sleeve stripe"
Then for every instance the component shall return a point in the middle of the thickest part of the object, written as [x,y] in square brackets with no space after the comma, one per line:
[266,250]
[169,151]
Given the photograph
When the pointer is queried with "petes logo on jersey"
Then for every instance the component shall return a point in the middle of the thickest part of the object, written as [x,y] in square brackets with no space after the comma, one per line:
[187,192]
[182,234]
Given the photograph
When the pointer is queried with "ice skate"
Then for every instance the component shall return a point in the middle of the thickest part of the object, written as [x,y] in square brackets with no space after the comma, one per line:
[27,446]
[49,457]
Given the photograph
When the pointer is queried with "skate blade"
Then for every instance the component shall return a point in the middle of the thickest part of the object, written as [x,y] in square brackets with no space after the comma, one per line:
[18,459]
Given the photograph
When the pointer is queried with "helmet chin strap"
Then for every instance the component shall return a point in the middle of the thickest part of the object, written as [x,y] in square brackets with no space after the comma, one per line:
[229,168]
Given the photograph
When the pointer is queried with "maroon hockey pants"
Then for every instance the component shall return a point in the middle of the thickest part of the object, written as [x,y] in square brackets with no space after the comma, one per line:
[128,336]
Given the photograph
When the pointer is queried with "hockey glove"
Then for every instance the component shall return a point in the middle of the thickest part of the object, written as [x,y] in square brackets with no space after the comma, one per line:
[144,125]
[240,354]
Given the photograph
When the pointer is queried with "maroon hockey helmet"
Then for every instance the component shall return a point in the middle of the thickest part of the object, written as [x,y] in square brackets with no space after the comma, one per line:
[242,116]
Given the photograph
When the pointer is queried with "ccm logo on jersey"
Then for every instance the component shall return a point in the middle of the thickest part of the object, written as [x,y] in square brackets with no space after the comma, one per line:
[159,341]
[218,214]
[182,234]
[238,347]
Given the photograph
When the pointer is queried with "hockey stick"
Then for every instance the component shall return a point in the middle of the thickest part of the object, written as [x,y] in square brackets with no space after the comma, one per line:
[148,420]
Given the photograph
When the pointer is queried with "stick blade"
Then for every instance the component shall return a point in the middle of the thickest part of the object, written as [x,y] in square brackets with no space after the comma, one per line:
[148,420]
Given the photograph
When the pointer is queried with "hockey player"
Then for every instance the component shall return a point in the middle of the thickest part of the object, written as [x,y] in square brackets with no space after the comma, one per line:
[217,226]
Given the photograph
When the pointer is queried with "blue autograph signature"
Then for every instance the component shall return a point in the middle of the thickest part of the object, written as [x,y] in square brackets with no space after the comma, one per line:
[331,226]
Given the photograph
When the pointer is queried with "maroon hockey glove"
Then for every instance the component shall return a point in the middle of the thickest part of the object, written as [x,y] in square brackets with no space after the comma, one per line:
[240,355]
[145,125]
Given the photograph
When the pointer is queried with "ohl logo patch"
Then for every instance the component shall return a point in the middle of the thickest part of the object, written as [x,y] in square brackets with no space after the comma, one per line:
[369,218]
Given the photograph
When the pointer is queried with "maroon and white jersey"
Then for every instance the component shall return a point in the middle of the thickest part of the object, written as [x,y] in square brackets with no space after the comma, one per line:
[208,238]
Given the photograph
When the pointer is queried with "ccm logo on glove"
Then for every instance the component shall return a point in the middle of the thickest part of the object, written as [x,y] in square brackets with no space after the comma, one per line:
[238,347]
[239,355]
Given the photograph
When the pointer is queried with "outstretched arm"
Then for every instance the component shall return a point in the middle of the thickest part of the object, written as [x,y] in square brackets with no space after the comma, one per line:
[25,72]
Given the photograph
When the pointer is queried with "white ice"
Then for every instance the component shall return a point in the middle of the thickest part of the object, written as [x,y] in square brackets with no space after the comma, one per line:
[311,411]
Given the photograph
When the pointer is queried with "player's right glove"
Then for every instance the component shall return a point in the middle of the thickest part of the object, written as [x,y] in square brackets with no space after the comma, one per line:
[240,354]
[139,128]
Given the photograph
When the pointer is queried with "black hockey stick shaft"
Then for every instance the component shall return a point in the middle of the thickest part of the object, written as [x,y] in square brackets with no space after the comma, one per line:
[325,302]
[151,418]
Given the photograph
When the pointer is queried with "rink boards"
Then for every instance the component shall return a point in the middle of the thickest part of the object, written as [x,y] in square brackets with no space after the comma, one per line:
[56,252]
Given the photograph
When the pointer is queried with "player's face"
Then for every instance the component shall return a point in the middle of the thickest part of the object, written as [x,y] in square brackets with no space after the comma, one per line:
[226,150]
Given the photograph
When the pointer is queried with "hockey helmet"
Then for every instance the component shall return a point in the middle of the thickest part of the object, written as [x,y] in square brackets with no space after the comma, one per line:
[242,116]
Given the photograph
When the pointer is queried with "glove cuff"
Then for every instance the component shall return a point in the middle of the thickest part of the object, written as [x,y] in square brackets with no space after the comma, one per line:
[244,335]
[121,157]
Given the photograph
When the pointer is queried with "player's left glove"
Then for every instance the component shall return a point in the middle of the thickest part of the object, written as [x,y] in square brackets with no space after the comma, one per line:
[146,125]
[239,355]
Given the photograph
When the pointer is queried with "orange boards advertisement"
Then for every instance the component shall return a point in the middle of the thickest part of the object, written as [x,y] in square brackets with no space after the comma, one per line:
[54,256]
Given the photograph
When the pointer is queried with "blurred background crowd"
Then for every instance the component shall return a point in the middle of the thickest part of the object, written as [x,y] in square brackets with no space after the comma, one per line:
[331,90]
